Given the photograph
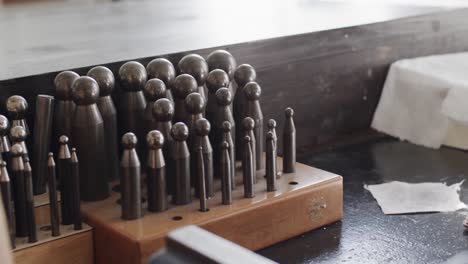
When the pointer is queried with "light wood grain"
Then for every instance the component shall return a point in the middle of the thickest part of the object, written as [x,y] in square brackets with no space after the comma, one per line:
[268,218]
[71,247]
[41,208]
[34,42]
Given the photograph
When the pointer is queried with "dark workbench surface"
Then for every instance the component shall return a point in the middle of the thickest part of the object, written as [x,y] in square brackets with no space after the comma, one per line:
[365,234]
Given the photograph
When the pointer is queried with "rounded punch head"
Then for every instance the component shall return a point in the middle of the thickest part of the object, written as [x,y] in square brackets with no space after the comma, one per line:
[154,89]
[194,103]
[105,79]
[132,76]
[244,73]
[155,139]
[184,85]
[224,145]
[162,69]
[289,112]
[271,124]
[163,110]
[4,125]
[63,83]
[179,131]
[196,66]
[222,59]
[202,127]
[217,79]
[129,140]
[85,91]
[224,97]
[227,126]
[17,107]
[269,135]
[50,160]
[16,150]
[18,133]
[63,139]
[252,91]
[248,123]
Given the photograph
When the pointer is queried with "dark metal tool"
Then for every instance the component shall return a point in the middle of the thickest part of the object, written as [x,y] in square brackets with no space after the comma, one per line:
[249,126]
[106,81]
[64,108]
[227,128]
[5,188]
[54,213]
[196,66]
[223,114]
[202,129]
[154,89]
[89,140]
[289,142]
[201,180]
[248,171]
[252,109]
[43,122]
[17,108]
[132,103]
[184,85]
[18,135]
[164,70]
[270,166]
[4,139]
[222,59]
[30,214]
[226,189]
[130,179]
[216,80]
[156,172]
[163,111]
[272,128]
[75,179]
[181,159]
[65,181]
[244,74]
[19,195]
[195,105]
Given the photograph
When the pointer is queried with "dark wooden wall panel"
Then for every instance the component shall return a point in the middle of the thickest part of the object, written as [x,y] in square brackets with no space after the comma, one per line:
[333,79]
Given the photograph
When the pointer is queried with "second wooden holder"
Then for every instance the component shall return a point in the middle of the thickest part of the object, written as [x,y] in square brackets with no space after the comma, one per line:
[305,200]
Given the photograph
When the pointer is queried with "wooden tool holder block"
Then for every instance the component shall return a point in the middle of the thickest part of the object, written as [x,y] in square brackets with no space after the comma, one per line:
[305,200]
[71,247]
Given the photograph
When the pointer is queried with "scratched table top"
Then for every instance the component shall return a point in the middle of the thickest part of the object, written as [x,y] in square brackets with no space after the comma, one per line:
[366,235]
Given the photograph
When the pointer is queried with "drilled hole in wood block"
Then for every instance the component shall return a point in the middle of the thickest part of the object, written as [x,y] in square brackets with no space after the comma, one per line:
[293,183]
[177,218]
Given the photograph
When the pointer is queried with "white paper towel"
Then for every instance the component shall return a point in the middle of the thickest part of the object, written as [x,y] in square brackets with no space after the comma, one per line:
[400,197]
[424,101]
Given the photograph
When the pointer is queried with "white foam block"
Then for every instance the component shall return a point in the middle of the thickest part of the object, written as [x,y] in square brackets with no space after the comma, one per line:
[424,101]
[401,198]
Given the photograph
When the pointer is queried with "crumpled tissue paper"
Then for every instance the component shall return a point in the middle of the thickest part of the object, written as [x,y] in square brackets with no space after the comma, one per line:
[401,198]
